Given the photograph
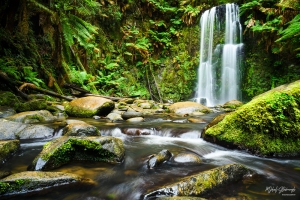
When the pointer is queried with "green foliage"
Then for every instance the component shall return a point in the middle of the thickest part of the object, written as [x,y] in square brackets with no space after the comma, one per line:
[31,76]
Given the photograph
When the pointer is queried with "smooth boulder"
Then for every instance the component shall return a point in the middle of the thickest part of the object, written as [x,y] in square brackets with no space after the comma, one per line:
[80,128]
[188,107]
[26,183]
[10,130]
[32,117]
[65,149]
[204,183]
[89,106]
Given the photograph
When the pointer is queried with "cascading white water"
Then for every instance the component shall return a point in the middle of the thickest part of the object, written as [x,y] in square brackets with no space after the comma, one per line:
[212,88]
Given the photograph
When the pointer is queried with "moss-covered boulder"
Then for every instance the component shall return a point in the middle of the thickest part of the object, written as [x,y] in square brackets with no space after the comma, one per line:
[65,149]
[9,99]
[10,130]
[269,125]
[32,117]
[80,128]
[203,184]
[8,148]
[186,108]
[29,183]
[89,106]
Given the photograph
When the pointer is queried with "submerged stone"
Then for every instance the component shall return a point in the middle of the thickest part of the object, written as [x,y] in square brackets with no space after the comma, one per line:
[269,125]
[6,111]
[202,184]
[89,106]
[8,148]
[29,183]
[65,149]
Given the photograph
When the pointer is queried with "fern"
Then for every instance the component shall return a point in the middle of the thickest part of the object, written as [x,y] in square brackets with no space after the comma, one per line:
[292,31]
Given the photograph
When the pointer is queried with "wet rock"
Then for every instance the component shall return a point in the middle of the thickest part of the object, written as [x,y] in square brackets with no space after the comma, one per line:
[32,117]
[158,159]
[114,117]
[137,131]
[135,119]
[29,183]
[197,114]
[68,148]
[8,148]
[268,125]
[15,130]
[186,108]
[145,105]
[6,111]
[136,108]
[131,114]
[232,104]
[213,122]
[89,106]
[80,128]
[187,158]
[197,120]
[203,184]
[35,131]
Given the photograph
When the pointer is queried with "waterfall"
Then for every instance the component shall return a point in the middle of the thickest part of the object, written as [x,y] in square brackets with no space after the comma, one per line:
[220,55]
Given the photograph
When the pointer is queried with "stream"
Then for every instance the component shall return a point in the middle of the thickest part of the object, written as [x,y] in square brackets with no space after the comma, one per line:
[276,178]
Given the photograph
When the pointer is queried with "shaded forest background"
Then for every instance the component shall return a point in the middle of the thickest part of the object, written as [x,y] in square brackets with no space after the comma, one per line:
[148,48]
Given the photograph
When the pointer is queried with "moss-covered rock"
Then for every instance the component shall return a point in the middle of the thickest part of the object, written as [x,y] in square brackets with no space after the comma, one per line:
[65,149]
[89,106]
[32,117]
[7,148]
[34,182]
[202,184]
[80,128]
[32,105]
[9,99]
[269,125]
[188,107]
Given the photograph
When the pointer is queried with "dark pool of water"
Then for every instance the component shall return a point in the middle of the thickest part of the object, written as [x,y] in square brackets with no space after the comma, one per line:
[131,179]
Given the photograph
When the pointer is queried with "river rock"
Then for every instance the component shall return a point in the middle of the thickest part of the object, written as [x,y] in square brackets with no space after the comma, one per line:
[269,125]
[89,106]
[114,117]
[205,183]
[182,198]
[64,149]
[6,111]
[158,159]
[187,158]
[186,108]
[197,120]
[32,105]
[80,128]
[136,119]
[232,104]
[10,130]
[29,183]
[8,148]
[126,100]
[137,131]
[32,117]
[131,114]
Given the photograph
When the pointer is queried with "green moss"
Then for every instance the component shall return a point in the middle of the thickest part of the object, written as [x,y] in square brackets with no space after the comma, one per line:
[268,125]
[9,99]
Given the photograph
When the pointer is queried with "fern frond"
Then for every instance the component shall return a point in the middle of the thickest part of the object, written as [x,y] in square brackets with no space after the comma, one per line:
[293,30]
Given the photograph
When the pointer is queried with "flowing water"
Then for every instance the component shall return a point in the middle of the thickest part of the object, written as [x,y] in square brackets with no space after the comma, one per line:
[220,55]
[131,179]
